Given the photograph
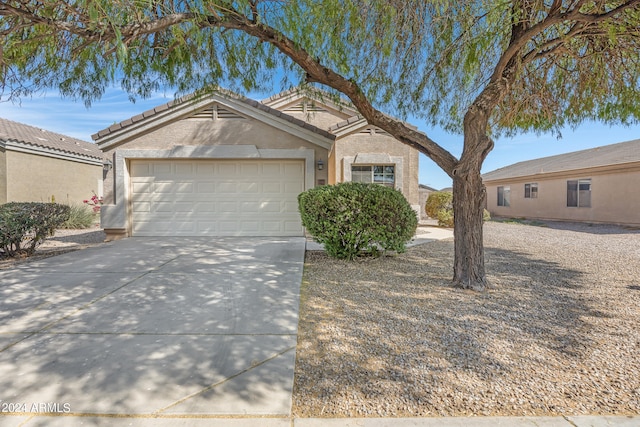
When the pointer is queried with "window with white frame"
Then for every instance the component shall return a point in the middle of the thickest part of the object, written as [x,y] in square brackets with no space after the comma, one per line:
[504,196]
[531,191]
[579,193]
[377,174]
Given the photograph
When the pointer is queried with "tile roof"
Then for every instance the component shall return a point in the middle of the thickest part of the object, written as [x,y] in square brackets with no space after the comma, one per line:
[614,154]
[36,137]
[223,92]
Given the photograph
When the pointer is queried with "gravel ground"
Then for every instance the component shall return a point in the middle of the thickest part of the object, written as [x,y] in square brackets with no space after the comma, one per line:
[558,333]
[62,241]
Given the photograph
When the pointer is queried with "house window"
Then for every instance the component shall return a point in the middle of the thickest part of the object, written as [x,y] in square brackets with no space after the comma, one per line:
[377,174]
[579,193]
[504,196]
[531,191]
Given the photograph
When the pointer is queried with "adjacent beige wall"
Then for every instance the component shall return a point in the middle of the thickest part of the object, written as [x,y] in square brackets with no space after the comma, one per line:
[208,132]
[614,197]
[352,145]
[3,176]
[34,178]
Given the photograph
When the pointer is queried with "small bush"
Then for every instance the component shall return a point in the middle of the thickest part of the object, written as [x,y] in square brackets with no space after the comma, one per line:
[80,216]
[23,226]
[352,218]
[440,206]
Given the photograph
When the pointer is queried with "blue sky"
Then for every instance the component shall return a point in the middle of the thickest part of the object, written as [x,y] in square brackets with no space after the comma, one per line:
[71,118]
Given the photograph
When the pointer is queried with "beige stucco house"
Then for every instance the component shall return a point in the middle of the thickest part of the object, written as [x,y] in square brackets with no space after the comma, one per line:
[40,166]
[226,165]
[597,185]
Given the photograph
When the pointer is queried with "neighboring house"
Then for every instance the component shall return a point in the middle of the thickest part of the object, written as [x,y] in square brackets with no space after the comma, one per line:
[598,185]
[423,194]
[40,166]
[225,165]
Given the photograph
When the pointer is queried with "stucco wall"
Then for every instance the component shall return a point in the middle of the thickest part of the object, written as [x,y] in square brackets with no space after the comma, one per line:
[33,178]
[614,197]
[352,145]
[208,132]
[3,176]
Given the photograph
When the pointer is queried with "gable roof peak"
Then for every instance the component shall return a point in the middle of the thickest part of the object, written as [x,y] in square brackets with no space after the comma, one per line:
[184,106]
[313,94]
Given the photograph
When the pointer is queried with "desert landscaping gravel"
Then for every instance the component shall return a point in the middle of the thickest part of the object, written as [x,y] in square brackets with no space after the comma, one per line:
[557,334]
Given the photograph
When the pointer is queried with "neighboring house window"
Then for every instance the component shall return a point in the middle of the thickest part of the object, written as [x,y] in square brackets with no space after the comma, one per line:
[504,196]
[531,191]
[377,174]
[579,193]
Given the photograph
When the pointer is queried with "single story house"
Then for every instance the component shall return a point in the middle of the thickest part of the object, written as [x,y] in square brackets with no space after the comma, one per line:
[225,165]
[41,166]
[597,185]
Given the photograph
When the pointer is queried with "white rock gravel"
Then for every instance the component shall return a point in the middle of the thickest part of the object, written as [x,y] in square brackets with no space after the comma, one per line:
[558,333]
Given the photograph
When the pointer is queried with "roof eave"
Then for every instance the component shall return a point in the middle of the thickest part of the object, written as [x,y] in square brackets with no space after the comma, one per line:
[23,147]
[152,119]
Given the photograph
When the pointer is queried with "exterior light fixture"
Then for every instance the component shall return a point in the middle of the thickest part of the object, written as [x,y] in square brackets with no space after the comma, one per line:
[107,165]
[320,165]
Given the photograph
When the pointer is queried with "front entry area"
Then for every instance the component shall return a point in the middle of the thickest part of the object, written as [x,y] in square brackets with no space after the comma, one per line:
[216,197]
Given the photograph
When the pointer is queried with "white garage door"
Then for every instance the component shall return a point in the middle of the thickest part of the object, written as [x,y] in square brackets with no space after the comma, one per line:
[216,197]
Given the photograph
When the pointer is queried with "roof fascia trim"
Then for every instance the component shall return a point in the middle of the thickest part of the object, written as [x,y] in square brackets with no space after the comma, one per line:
[182,109]
[569,173]
[18,146]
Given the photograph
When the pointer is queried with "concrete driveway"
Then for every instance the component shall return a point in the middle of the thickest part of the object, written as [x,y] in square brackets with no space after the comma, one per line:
[152,327]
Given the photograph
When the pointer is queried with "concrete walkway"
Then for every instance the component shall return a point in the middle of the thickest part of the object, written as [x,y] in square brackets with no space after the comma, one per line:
[151,327]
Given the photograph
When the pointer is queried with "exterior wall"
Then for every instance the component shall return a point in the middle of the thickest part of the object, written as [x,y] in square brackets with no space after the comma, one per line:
[352,145]
[33,178]
[423,195]
[3,176]
[212,133]
[614,198]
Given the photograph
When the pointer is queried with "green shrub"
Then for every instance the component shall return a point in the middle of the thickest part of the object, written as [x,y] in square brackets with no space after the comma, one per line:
[440,206]
[23,226]
[80,216]
[445,218]
[353,218]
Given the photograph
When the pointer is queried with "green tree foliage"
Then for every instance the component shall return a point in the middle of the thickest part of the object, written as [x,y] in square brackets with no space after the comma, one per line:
[352,218]
[480,68]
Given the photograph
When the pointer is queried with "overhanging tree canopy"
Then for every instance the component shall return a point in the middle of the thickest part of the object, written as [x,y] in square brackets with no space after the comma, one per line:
[479,68]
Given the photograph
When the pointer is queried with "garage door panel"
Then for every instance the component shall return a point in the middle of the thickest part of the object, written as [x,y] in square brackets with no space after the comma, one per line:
[216,197]
[161,169]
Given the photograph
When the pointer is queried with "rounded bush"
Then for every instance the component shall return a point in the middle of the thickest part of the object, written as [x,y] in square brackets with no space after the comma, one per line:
[354,218]
[440,206]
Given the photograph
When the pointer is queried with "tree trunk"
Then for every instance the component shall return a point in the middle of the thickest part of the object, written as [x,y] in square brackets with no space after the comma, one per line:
[469,201]
[468,206]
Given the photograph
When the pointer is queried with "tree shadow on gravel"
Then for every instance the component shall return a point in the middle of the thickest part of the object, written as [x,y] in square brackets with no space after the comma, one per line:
[391,337]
